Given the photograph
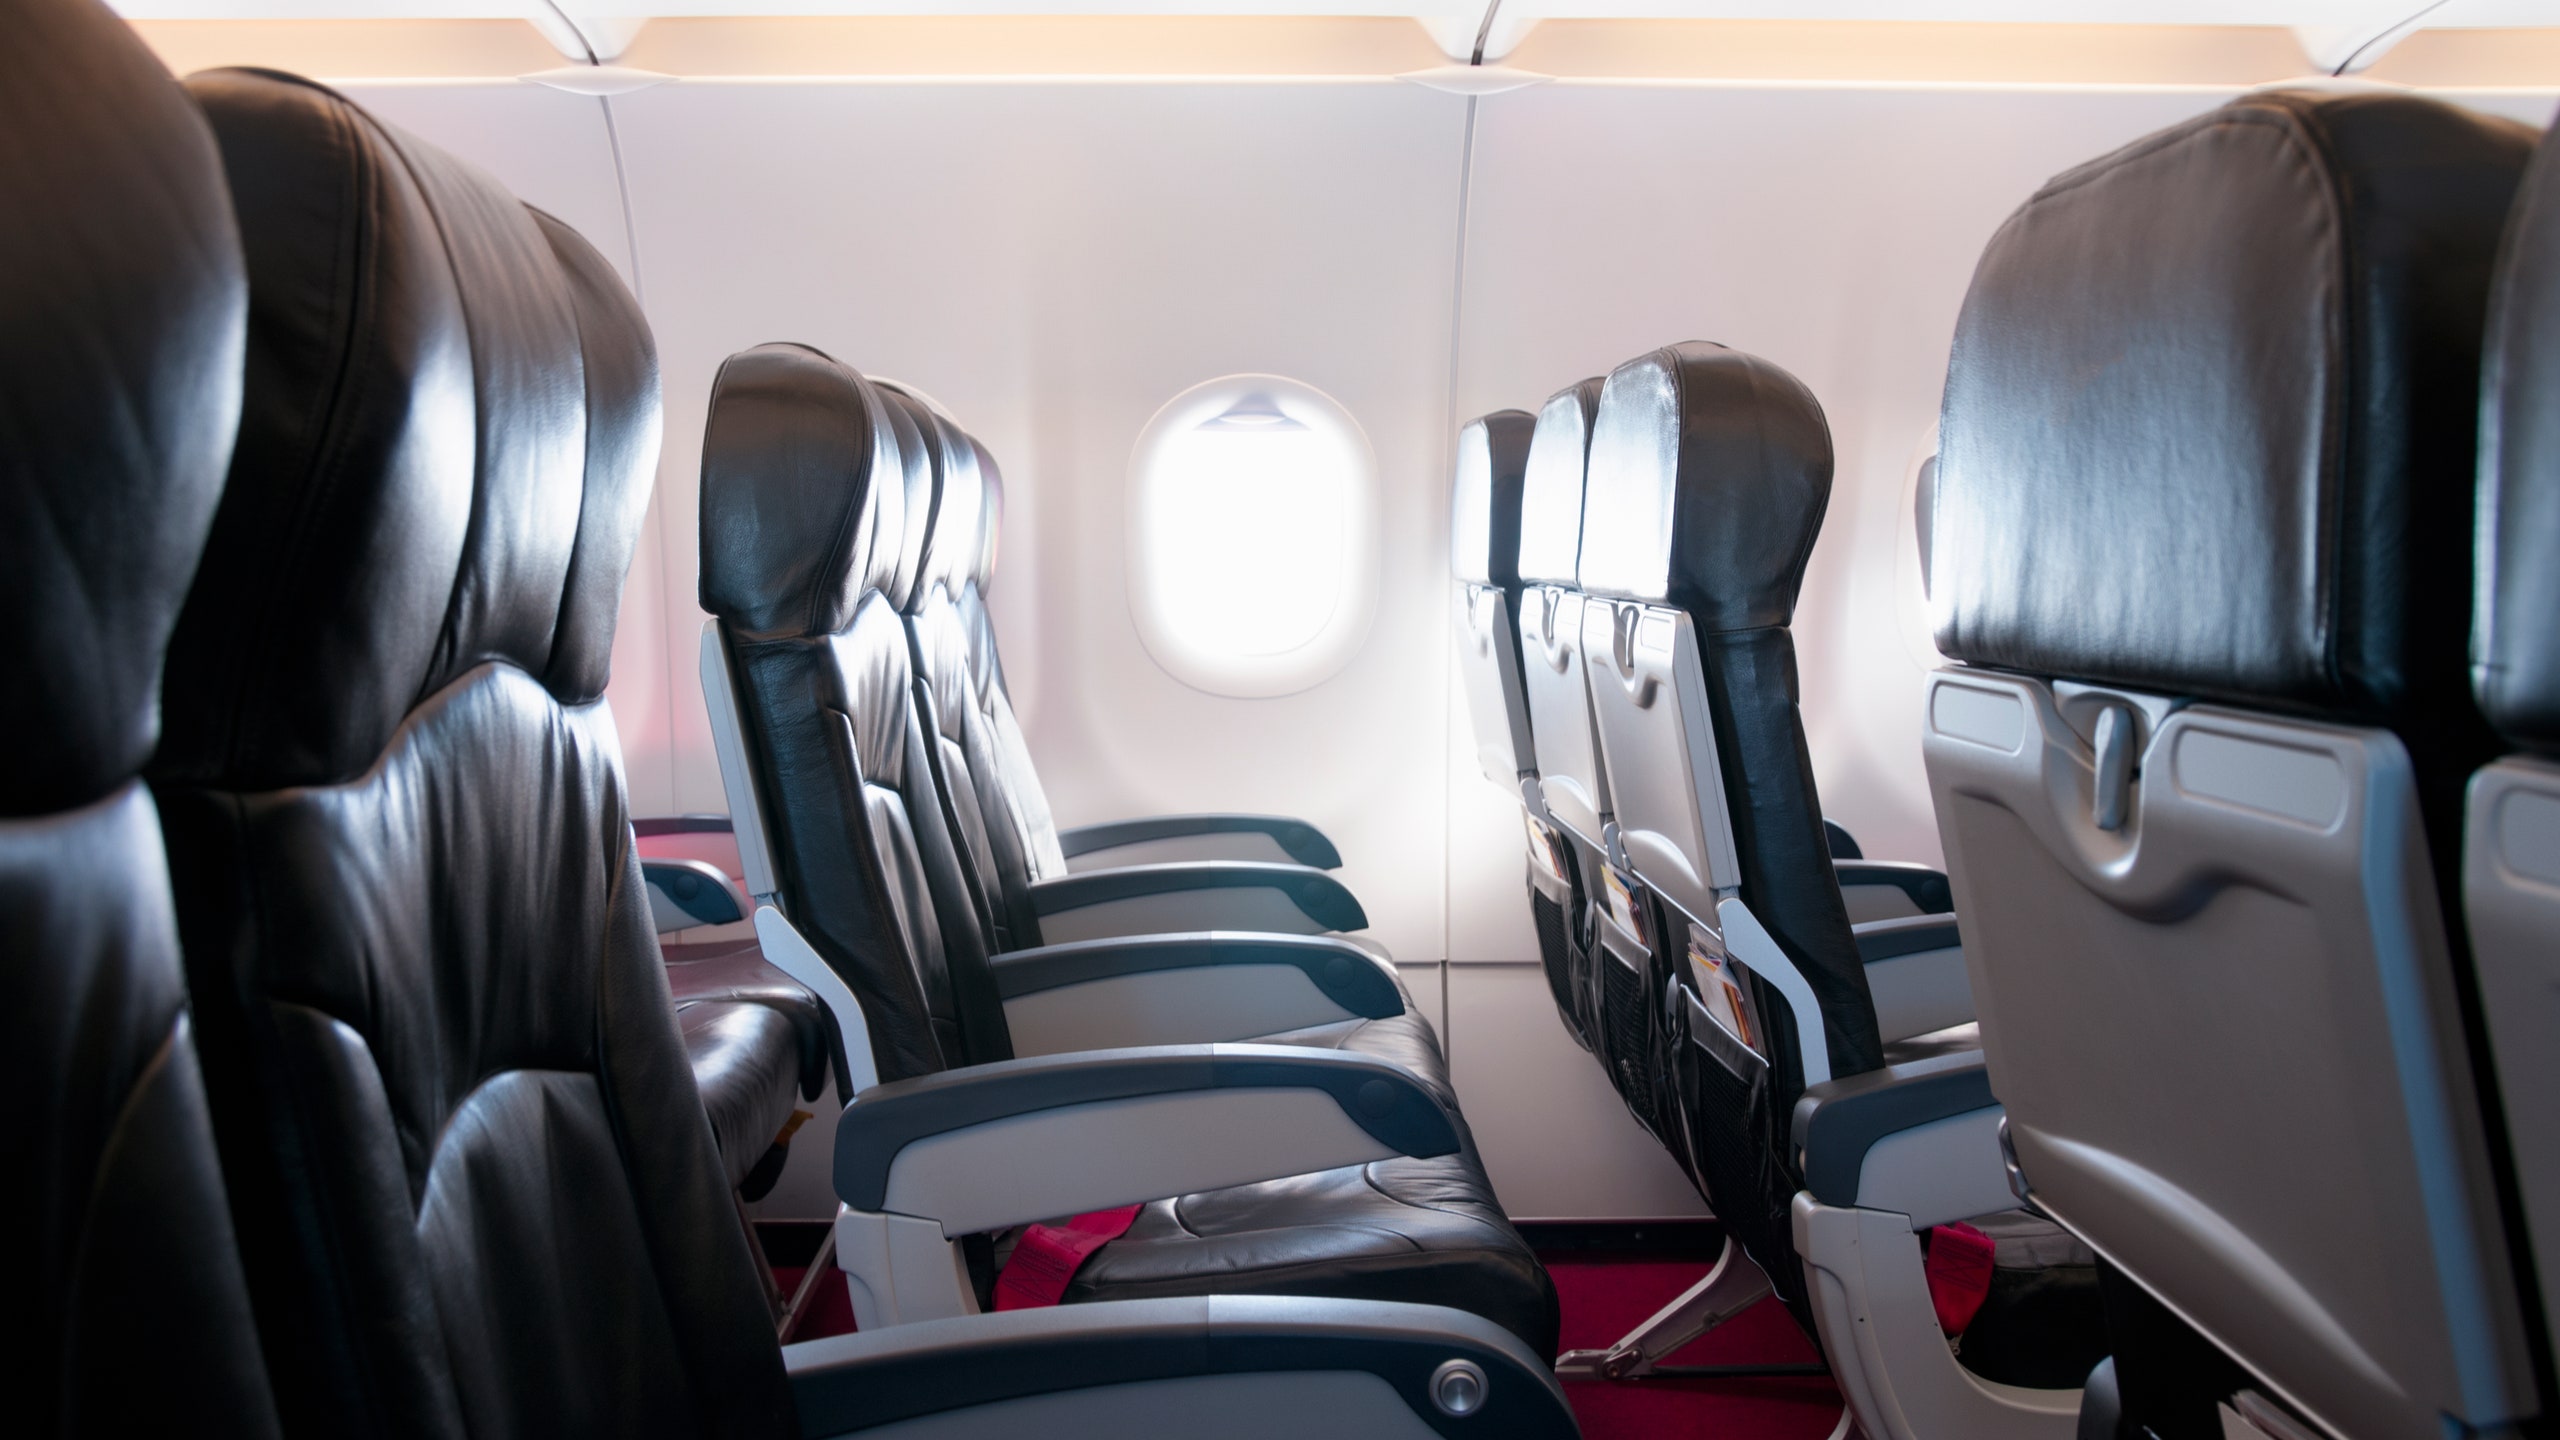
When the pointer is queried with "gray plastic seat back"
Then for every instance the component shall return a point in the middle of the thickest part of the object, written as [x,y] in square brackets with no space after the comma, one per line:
[1569,778]
[2511,852]
[2202,503]
[1484,557]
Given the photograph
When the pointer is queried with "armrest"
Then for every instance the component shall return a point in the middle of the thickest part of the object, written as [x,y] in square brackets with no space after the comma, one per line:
[1296,839]
[988,1146]
[1186,989]
[1927,889]
[1201,895]
[1903,1138]
[687,893]
[1204,1365]
[1916,974]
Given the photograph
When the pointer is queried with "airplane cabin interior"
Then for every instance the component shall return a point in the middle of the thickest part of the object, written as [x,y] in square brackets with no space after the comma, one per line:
[1482,719]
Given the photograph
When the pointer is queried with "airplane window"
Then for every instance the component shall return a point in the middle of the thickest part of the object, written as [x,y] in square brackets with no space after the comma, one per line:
[1252,527]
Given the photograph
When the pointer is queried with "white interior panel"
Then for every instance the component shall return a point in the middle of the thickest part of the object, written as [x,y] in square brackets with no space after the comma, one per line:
[1556,1139]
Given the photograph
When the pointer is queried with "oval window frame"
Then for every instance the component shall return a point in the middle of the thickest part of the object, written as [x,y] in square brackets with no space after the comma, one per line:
[1226,672]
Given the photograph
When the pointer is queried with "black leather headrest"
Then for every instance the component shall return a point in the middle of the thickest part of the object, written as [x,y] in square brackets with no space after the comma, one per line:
[122,312]
[959,509]
[2210,415]
[911,425]
[469,490]
[794,531]
[2515,636]
[1484,501]
[1551,486]
[990,518]
[1710,470]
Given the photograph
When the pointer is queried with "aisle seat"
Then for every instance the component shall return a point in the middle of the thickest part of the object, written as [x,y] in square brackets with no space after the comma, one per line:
[760,1043]
[122,321]
[1826,1074]
[2511,845]
[2201,561]
[809,673]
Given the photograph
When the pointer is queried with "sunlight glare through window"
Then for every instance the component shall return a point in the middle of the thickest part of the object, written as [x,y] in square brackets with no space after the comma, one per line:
[1251,511]
[1254,535]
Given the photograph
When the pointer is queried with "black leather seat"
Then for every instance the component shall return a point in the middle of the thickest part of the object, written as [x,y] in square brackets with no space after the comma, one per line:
[2202,547]
[479,1191]
[2511,853]
[964,753]
[122,308]
[1710,471]
[867,868]
[759,1046]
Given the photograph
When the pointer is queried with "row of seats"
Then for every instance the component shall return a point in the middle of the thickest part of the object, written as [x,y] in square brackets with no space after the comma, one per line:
[865,739]
[1628,565]
[352,1100]
[2208,770]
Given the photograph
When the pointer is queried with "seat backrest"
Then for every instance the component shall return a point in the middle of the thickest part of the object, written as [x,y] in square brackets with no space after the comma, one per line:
[983,653]
[122,315]
[802,544]
[1484,558]
[1710,472]
[474,1183]
[2201,545]
[2511,852]
[1570,781]
[988,833]
[1015,802]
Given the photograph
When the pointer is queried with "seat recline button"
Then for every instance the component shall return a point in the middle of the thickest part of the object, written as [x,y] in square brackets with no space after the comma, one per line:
[1458,1387]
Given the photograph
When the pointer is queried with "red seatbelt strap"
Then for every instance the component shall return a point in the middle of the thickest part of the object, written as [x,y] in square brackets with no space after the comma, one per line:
[1046,1258]
[1959,1274]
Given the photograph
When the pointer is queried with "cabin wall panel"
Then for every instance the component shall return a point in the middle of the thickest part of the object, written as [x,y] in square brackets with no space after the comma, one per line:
[1054,262]
[1556,1139]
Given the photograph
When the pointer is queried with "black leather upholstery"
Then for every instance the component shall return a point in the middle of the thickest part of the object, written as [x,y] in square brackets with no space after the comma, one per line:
[1550,546]
[756,1039]
[2163,397]
[1710,471]
[122,316]
[872,873]
[825,690]
[476,1188]
[2515,648]
[984,658]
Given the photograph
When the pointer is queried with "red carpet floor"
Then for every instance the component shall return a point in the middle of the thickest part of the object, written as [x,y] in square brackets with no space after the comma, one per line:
[1604,1296]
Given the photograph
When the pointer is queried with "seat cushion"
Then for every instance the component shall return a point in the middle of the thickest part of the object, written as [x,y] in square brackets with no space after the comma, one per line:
[757,1041]
[1426,1231]
[1420,1231]
[746,1065]
[1406,1039]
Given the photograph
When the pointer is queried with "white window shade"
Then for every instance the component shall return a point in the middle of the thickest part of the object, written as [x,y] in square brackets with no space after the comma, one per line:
[1252,536]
